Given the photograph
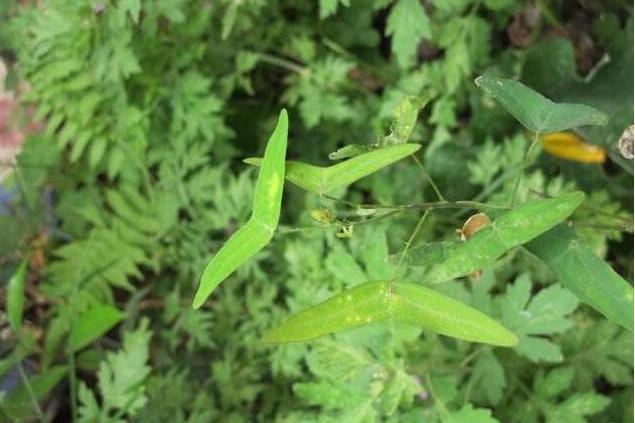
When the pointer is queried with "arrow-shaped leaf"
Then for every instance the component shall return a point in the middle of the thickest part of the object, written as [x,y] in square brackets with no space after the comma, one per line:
[535,111]
[515,227]
[321,180]
[376,301]
[258,231]
[578,268]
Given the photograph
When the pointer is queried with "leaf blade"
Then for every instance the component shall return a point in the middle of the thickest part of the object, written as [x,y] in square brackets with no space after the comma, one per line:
[92,324]
[535,111]
[591,279]
[511,229]
[15,296]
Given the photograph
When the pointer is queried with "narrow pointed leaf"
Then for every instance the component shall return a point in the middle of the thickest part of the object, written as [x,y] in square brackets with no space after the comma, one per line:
[258,231]
[578,268]
[92,325]
[427,308]
[376,301]
[365,303]
[248,240]
[513,228]
[268,194]
[321,180]
[15,296]
[535,111]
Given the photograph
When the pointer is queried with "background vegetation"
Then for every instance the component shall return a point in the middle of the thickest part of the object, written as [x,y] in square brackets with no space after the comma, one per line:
[136,115]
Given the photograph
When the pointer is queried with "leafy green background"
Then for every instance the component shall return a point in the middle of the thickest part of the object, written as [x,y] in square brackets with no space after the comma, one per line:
[148,108]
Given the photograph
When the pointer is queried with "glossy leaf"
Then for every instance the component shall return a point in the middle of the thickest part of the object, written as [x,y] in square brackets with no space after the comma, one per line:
[377,301]
[258,231]
[92,325]
[578,268]
[515,227]
[15,296]
[321,180]
[535,111]
[569,146]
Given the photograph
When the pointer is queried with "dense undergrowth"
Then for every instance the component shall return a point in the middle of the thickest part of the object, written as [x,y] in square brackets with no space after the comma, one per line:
[131,177]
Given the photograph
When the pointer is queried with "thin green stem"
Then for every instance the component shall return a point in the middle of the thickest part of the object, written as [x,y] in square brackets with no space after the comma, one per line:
[72,382]
[283,63]
[30,391]
[413,235]
[428,178]
[283,231]
[525,164]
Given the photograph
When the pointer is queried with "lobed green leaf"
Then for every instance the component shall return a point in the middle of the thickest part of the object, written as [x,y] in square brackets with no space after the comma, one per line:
[535,111]
[321,180]
[382,300]
[578,268]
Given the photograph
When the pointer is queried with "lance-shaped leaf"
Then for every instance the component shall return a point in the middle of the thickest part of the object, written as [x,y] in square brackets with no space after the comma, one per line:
[578,268]
[15,296]
[321,180]
[258,231]
[377,301]
[515,227]
[535,111]
[92,324]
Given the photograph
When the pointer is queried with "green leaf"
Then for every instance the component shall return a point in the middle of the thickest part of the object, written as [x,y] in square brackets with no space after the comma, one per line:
[469,414]
[377,301]
[455,259]
[121,378]
[329,7]
[321,180]
[489,376]
[578,406]
[536,112]
[92,325]
[258,231]
[544,314]
[405,118]
[407,23]
[578,268]
[15,296]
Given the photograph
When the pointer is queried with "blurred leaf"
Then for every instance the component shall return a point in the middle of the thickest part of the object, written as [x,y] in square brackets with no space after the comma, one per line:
[407,23]
[92,325]
[15,296]
[544,314]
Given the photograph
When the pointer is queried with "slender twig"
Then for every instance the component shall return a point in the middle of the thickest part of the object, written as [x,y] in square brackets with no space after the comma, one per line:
[525,164]
[428,178]
[412,237]
[283,63]
[29,389]
[72,382]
